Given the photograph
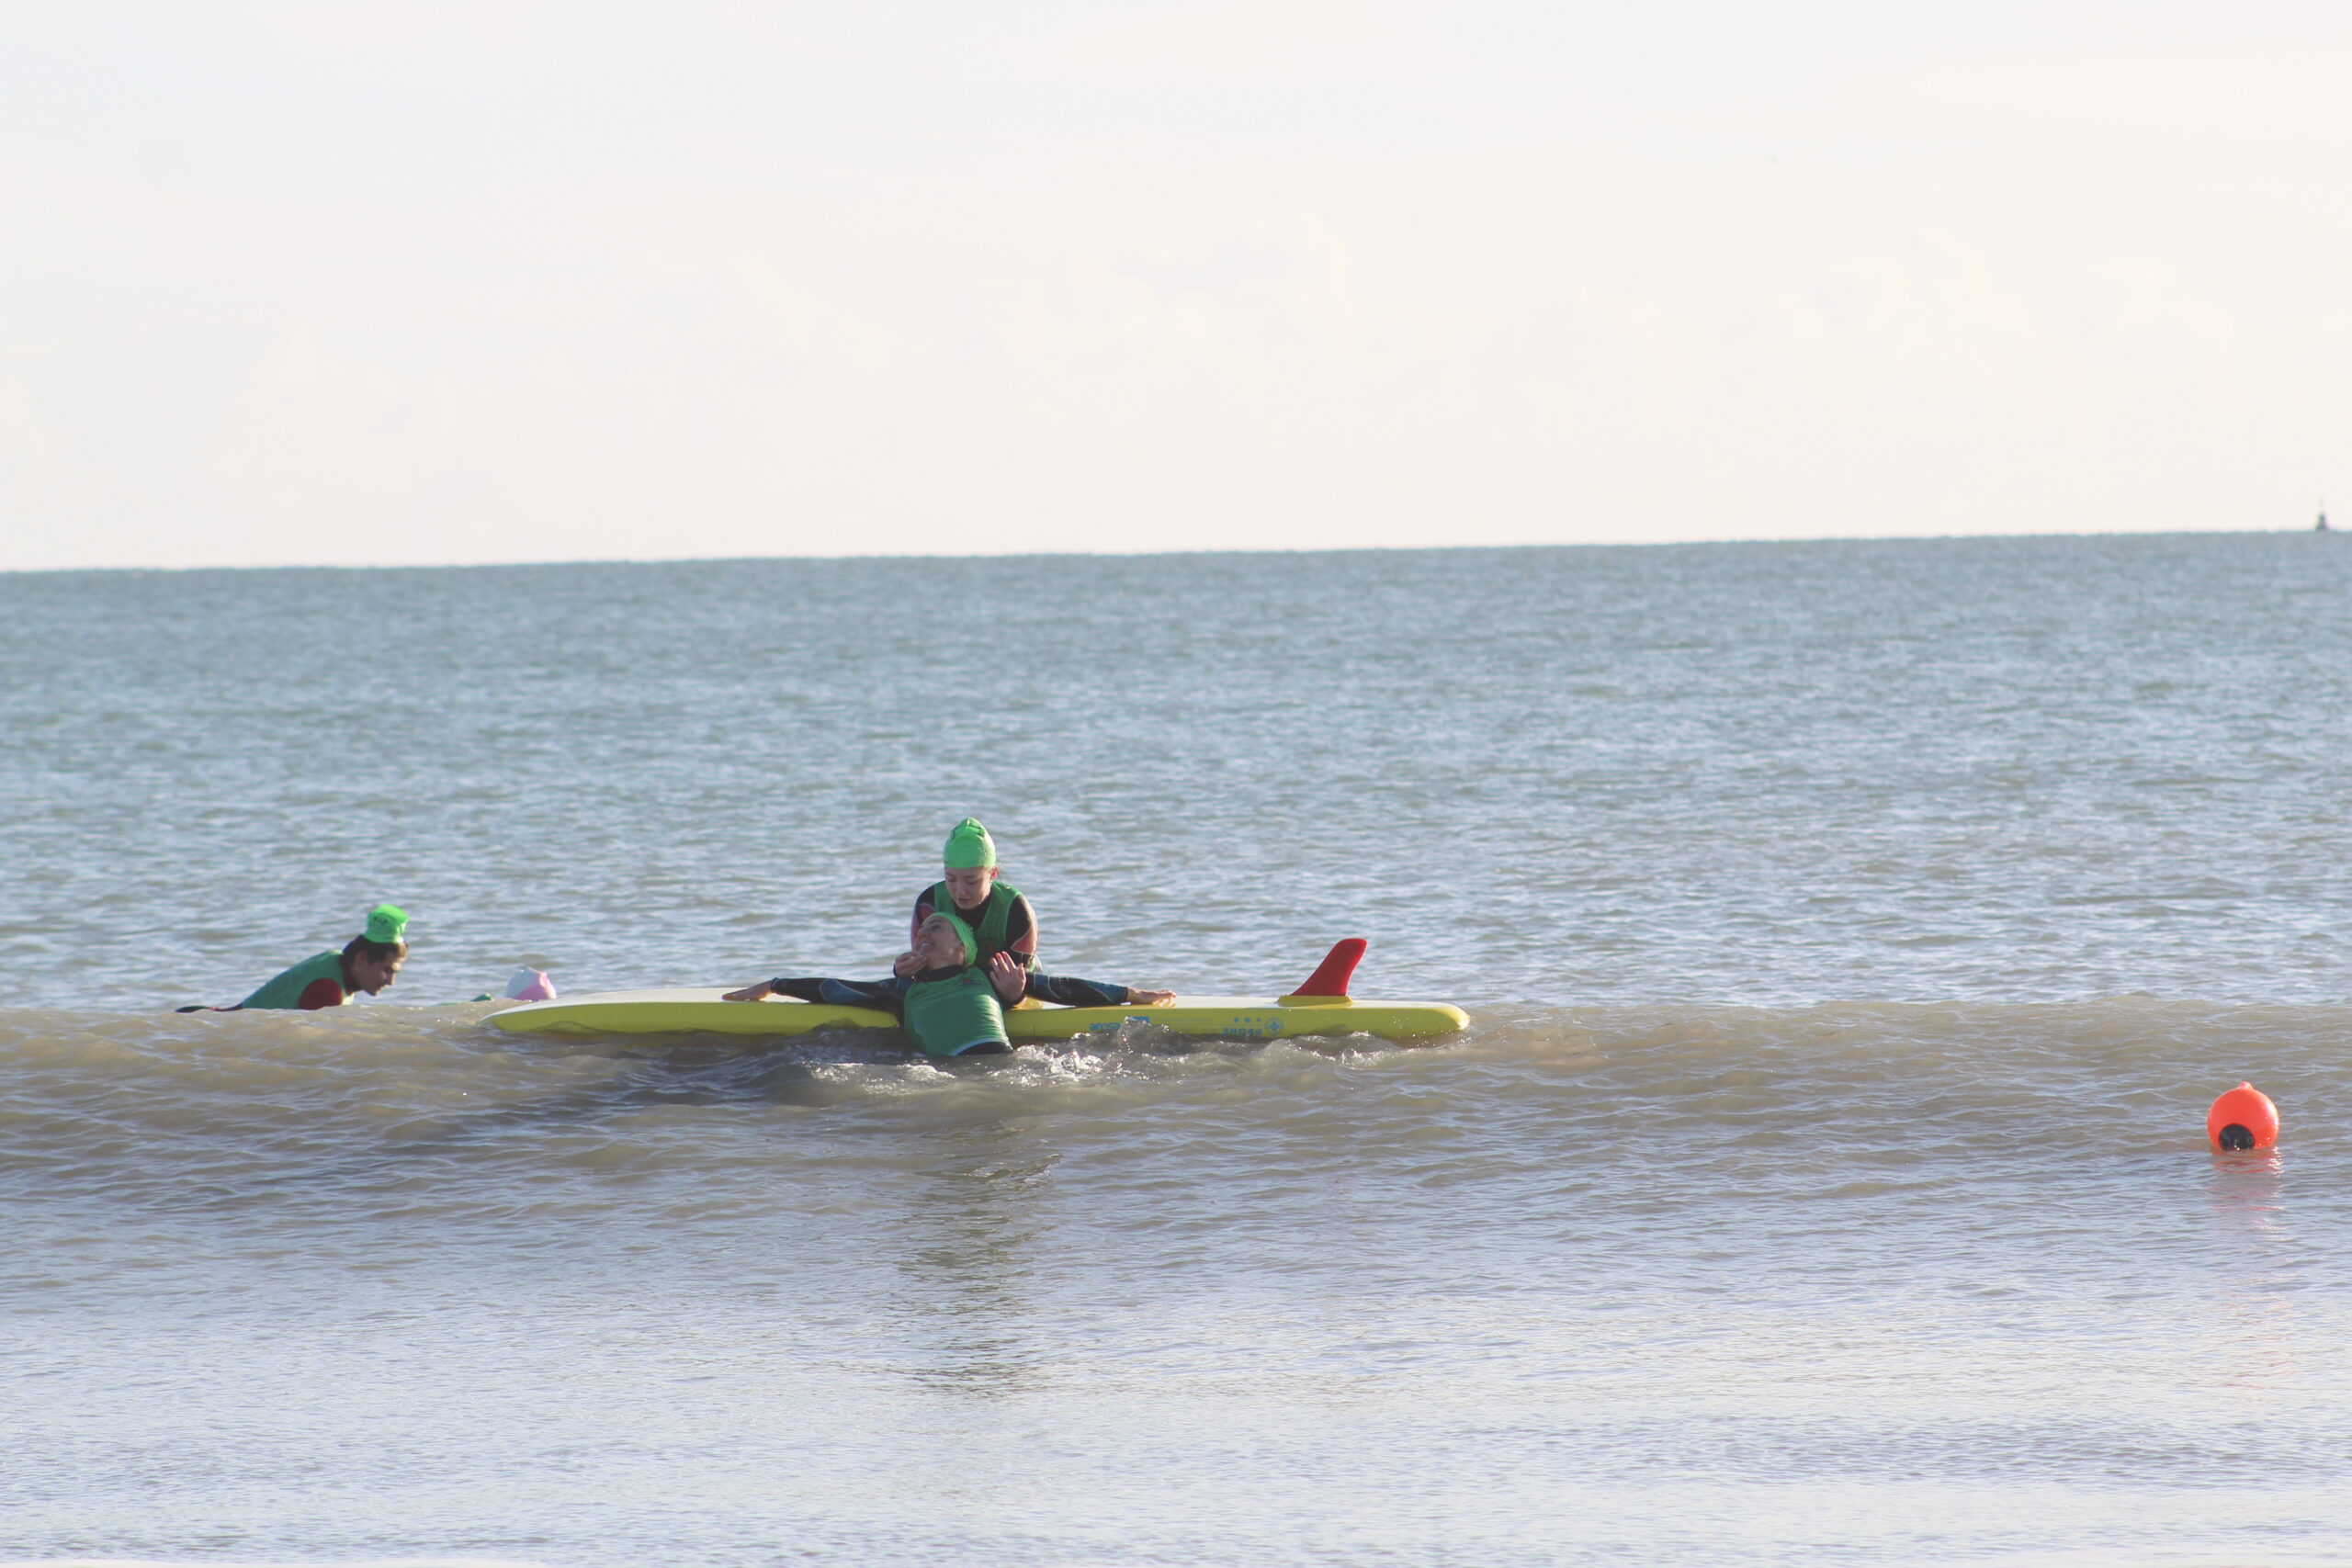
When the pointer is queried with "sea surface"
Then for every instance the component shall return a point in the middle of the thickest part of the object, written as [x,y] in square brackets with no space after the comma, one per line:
[1854,935]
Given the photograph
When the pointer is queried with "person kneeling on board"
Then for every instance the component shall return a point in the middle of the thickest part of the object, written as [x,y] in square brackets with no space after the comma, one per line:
[949,1003]
[370,962]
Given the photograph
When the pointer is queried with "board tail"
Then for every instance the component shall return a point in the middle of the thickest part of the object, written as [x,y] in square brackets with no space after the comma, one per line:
[1331,977]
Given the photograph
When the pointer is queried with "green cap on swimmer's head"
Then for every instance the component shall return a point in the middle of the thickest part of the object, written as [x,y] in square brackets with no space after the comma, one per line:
[963,931]
[969,848]
[387,923]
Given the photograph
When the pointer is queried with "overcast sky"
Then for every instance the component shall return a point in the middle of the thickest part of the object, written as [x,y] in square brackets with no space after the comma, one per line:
[500,280]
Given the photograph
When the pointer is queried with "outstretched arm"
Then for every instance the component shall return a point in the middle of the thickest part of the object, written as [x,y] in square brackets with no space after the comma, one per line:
[1071,991]
[886,995]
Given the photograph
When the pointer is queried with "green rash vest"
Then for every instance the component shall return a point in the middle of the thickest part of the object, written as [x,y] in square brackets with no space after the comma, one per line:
[286,991]
[989,926]
[955,1013]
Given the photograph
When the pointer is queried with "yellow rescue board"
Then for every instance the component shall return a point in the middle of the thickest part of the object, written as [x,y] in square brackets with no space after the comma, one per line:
[701,1012]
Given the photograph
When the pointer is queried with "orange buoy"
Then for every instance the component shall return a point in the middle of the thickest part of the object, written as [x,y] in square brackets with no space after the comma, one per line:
[2242,1119]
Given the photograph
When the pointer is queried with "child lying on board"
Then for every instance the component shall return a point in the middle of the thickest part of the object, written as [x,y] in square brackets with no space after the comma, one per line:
[948,1004]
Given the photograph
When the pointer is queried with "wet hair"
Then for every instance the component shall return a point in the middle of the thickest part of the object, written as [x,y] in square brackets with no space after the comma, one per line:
[360,947]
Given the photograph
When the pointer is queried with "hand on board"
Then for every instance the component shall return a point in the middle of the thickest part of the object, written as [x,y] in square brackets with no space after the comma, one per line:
[758,993]
[1148,999]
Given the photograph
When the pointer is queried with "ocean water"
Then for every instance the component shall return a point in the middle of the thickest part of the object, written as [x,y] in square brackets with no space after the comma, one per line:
[1854,936]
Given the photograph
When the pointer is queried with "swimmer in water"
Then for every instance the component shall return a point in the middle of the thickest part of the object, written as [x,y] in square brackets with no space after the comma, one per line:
[370,962]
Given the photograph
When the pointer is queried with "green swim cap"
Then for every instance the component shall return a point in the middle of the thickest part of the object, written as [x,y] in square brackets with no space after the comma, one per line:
[969,848]
[387,923]
[963,931]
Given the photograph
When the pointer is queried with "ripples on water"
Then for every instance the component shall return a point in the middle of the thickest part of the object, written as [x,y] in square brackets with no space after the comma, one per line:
[1996,770]
[1877,1279]
[1805,1191]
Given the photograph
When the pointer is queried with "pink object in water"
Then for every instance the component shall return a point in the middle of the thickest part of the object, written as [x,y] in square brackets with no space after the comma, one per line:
[530,986]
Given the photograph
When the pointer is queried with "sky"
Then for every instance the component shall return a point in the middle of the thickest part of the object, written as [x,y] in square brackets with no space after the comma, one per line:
[290,282]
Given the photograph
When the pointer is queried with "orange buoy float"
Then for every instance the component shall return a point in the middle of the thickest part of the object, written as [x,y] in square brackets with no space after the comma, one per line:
[2242,1118]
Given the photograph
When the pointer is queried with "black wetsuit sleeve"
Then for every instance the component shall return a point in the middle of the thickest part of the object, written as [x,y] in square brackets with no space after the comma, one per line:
[1020,933]
[1072,992]
[889,995]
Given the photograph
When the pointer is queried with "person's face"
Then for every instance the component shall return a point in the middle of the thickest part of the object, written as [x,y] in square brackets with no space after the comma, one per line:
[939,947]
[971,886]
[375,974]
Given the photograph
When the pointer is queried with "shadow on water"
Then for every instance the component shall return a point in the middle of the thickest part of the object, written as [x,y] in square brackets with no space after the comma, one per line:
[815,1072]
[683,1073]
[807,1072]
[714,1074]
[966,1248]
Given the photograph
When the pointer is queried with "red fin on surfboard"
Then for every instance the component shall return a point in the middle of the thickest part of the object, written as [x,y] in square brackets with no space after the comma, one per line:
[1338,967]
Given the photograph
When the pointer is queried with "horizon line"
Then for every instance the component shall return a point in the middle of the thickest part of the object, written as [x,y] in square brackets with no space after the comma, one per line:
[1733,541]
